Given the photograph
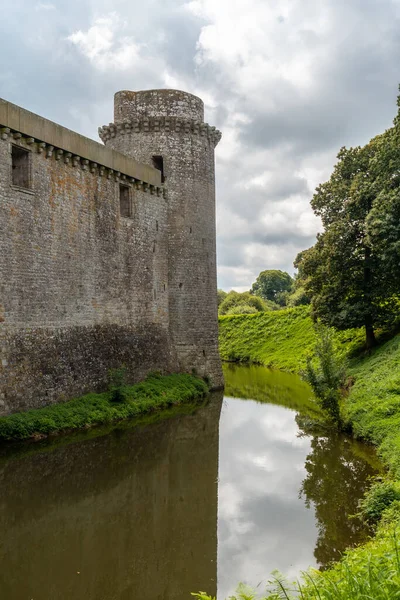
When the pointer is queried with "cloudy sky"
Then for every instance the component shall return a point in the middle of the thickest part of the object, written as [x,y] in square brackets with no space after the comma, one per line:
[287,81]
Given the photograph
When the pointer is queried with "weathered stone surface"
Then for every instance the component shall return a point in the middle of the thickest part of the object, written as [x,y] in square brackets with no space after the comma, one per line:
[84,289]
[188,159]
[45,131]
[43,365]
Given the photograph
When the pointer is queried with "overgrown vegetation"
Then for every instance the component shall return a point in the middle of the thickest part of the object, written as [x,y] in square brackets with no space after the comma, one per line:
[380,497]
[155,393]
[326,373]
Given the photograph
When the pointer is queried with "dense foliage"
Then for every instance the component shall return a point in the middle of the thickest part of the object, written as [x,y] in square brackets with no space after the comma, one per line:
[352,271]
[273,285]
[221,295]
[156,393]
[236,303]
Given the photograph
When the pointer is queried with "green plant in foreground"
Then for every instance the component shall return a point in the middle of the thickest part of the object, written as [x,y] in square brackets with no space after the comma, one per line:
[328,377]
[370,572]
[378,499]
[117,380]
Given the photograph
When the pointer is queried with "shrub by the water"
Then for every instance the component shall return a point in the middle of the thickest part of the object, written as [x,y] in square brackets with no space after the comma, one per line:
[155,393]
[327,377]
[378,499]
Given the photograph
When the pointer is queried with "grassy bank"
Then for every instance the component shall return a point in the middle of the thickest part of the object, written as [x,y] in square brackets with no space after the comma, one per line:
[373,406]
[156,393]
[277,339]
[372,409]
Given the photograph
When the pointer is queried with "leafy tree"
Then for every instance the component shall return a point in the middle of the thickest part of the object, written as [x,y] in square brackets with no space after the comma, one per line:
[235,299]
[271,285]
[298,297]
[221,295]
[352,271]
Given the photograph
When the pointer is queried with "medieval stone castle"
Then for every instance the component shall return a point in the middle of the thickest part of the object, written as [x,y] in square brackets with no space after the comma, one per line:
[107,252]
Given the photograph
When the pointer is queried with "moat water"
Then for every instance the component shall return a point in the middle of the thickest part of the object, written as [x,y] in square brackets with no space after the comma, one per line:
[229,493]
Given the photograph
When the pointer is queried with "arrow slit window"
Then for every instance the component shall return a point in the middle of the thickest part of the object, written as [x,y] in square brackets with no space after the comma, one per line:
[20,161]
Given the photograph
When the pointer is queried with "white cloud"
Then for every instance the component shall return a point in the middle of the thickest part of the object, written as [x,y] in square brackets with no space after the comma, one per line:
[287,81]
[45,6]
[104,45]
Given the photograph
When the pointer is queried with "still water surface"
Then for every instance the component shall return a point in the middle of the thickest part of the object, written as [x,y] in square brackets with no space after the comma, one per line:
[229,493]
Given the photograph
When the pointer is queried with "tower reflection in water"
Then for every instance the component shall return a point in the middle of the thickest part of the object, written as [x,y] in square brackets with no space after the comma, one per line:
[132,514]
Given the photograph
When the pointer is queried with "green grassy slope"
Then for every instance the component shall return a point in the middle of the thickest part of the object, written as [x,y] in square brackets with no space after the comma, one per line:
[278,339]
[373,406]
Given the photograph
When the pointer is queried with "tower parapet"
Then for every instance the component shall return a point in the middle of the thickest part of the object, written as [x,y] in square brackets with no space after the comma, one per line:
[157,103]
[166,129]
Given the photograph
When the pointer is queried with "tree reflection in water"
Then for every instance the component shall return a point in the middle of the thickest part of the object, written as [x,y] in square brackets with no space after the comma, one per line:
[337,468]
[338,473]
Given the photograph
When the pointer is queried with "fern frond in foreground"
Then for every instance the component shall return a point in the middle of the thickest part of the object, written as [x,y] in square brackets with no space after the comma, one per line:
[155,393]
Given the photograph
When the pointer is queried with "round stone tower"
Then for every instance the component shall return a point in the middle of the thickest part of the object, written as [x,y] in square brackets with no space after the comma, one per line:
[166,129]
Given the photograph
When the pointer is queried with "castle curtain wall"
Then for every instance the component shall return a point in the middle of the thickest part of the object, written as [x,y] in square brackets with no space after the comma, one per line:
[101,263]
[82,289]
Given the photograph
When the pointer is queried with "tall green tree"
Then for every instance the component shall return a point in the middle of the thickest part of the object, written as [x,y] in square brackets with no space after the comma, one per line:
[351,272]
[272,285]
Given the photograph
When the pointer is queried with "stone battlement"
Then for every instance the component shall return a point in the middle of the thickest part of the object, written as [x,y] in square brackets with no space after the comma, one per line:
[157,124]
[70,147]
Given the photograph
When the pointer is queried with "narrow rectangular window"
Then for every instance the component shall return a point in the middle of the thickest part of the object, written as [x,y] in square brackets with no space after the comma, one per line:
[20,167]
[158,163]
[124,201]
